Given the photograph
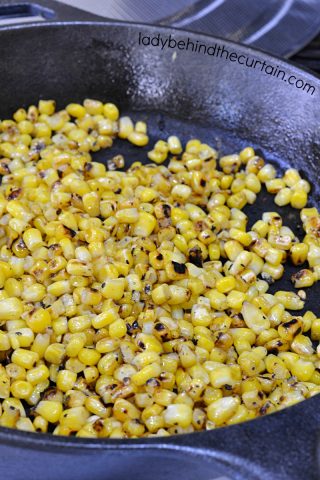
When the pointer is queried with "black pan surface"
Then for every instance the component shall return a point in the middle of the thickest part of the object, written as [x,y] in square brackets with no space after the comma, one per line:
[192,95]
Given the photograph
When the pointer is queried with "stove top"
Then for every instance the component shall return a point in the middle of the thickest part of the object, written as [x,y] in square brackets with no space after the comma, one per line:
[281,27]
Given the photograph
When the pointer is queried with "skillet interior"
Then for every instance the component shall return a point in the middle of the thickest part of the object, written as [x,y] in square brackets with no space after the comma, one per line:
[222,103]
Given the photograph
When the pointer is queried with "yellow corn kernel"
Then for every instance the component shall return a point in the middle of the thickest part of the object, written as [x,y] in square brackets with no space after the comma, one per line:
[254,317]
[118,328]
[127,215]
[113,288]
[161,294]
[302,279]
[149,371]
[66,380]
[283,197]
[145,225]
[76,110]
[50,410]
[39,321]
[110,110]
[55,353]
[226,284]
[138,138]
[125,127]
[299,198]
[291,177]
[4,342]
[34,293]
[21,389]
[59,288]
[47,107]
[174,145]
[246,154]
[89,356]
[37,374]
[299,253]
[178,414]
[222,409]
[10,309]
[24,358]
[290,300]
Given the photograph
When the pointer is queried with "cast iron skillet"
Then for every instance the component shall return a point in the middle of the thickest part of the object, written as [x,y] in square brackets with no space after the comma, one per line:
[189,94]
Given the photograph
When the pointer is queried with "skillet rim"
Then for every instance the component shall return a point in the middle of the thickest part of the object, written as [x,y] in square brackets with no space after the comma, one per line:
[45,441]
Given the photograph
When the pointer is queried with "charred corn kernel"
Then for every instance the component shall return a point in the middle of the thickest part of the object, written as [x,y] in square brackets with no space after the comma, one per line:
[299,253]
[230,163]
[105,318]
[113,288]
[22,337]
[74,418]
[124,410]
[315,329]
[24,358]
[222,409]
[275,185]
[149,371]
[254,317]
[178,414]
[39,321]
[302,279]
[178,295]
[221,376]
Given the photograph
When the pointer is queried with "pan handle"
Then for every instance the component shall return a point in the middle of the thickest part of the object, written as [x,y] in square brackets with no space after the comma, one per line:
[13,12]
